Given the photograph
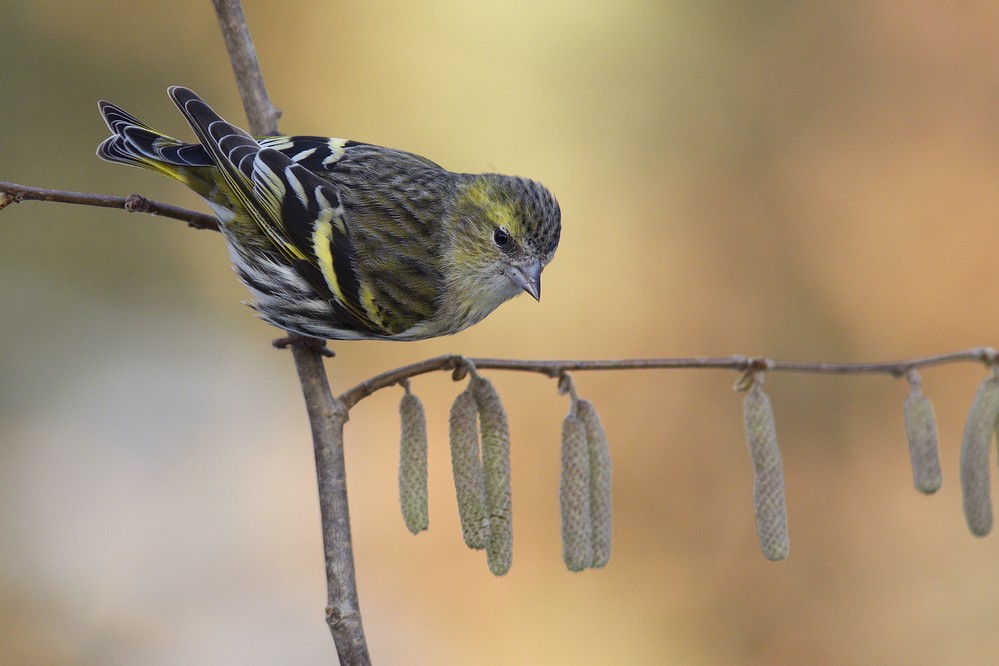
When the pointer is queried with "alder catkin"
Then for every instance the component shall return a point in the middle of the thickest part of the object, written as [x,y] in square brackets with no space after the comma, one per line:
[466,467]
[413,463]
[574,495]
[600,482]
[975,456]
[921,428]
[768,481]
[496,468]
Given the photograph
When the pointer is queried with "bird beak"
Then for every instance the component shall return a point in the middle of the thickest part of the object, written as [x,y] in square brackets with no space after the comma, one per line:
[527,277]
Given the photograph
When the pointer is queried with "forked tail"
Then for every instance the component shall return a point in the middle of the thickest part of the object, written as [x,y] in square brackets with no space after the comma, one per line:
[132,142]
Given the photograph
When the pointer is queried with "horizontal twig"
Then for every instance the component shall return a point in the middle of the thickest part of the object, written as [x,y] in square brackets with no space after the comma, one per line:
[555,368]
[15,193]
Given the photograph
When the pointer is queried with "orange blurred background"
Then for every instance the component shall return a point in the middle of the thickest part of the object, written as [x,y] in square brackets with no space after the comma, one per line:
[799,180]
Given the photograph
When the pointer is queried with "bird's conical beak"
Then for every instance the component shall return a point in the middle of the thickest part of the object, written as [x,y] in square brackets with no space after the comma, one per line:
[528,278]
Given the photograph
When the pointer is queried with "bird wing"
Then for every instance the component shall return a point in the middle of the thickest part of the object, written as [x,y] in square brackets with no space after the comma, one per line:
[297,211]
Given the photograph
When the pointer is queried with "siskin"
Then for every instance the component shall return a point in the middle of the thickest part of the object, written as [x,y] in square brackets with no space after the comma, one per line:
[344,240]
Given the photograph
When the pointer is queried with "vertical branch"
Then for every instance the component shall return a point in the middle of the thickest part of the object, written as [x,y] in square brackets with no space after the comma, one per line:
[327,415]
[260,111]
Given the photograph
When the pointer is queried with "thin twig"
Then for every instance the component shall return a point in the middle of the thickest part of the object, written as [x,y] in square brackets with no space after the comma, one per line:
[15,193]
[554,369]
[326,414]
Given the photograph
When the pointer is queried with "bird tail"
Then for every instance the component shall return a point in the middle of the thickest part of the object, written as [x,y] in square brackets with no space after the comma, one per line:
[135,143]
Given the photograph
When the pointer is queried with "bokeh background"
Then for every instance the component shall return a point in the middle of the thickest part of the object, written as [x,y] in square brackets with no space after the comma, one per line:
[814,181]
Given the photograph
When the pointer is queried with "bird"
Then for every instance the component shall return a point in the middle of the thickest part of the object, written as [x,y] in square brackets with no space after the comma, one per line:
[345,240]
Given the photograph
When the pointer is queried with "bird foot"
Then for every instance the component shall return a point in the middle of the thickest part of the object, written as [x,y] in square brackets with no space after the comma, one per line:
[295,340]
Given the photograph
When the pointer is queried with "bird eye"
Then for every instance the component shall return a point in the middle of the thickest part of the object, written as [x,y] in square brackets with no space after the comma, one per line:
[501,237]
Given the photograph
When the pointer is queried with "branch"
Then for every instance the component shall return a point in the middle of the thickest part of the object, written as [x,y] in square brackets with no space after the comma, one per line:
[134,203]
[456,363]
[326,415]
[260,111]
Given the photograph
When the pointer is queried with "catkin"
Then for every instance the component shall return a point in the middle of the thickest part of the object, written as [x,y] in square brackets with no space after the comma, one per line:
[768,481]
[921,428]
[467,469]
[975,456]
[600,482]
[574,495]
[496,468]
[413,463]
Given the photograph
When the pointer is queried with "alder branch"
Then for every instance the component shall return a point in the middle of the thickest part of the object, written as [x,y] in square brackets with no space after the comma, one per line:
[326,415]
[133,203]
[458,364]
[261,113]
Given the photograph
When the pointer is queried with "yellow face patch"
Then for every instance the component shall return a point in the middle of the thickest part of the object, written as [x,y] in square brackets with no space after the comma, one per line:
[500,213]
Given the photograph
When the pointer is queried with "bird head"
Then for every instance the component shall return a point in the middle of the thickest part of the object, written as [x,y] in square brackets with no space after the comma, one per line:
[506,232]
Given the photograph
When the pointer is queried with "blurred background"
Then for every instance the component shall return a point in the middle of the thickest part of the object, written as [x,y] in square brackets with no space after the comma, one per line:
[800,180]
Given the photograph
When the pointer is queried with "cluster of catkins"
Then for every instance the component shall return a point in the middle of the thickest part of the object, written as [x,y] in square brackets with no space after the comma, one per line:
[480,462]
[921,429]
